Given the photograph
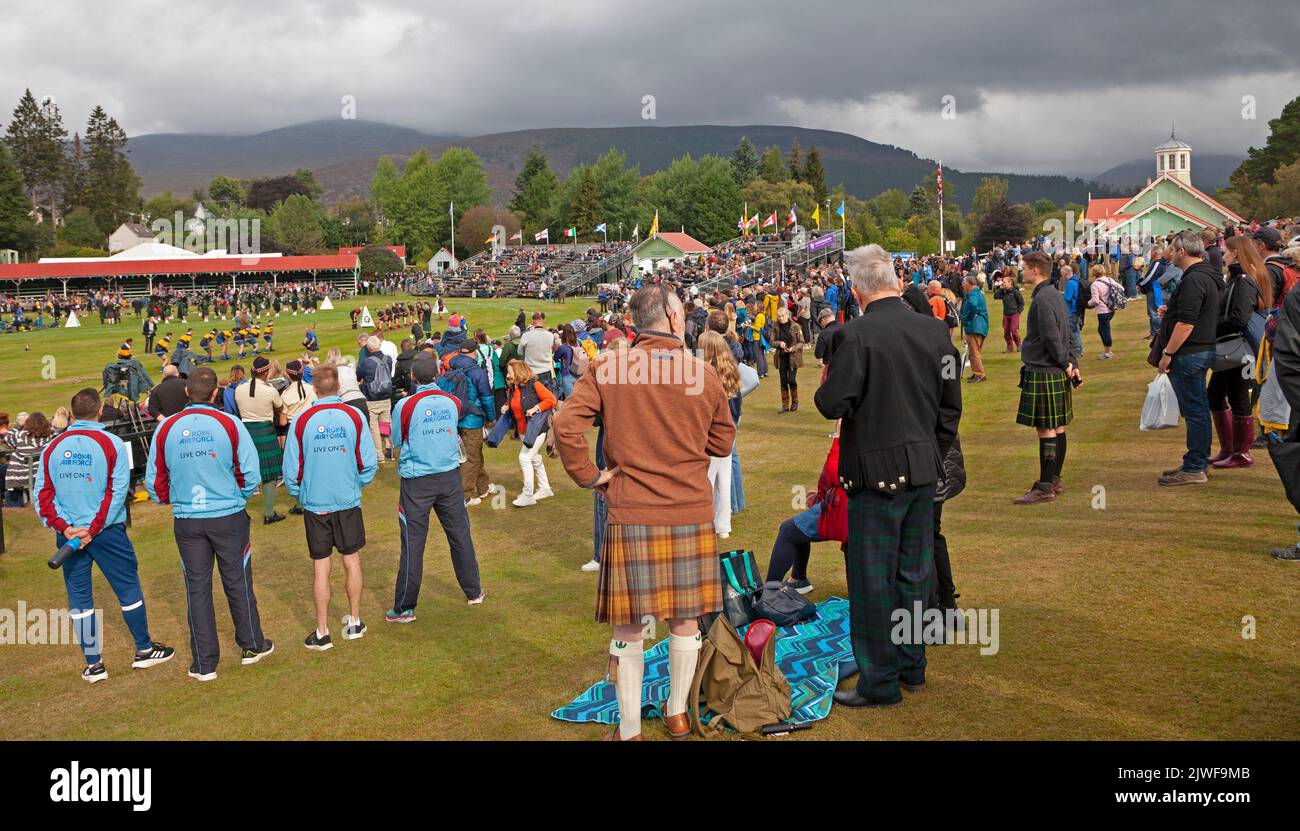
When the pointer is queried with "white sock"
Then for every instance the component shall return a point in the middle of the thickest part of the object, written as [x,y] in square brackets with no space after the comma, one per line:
[627,683]
[683,655]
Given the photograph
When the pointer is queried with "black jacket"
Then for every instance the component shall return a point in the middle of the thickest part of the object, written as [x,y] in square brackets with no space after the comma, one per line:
[826,343]
[896,382]
[1237,303]
[1013,302]
[1048,345]
[915,297]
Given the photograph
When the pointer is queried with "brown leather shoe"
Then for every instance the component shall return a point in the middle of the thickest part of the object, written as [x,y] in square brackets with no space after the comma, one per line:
[679,726]
[1183,477]
[615,737]
[1035,495]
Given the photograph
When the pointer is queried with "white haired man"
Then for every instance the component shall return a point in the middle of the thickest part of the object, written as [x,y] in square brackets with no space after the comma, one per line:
[375,376]
[896,383]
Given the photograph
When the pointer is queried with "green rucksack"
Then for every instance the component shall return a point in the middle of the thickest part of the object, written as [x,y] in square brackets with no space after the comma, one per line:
[739,693]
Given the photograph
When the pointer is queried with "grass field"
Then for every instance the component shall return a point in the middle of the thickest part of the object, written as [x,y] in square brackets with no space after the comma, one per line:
[1120,622]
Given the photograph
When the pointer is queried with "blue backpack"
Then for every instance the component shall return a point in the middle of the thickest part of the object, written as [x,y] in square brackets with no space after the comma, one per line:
[457,382]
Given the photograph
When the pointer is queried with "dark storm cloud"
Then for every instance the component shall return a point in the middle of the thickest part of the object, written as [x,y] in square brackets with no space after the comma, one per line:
[1036,87]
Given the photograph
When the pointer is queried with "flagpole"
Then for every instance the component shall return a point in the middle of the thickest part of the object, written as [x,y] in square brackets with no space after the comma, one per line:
[451,212]
[941,245]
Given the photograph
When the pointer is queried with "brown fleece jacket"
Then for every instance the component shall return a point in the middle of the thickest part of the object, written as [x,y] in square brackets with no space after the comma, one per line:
[665,413]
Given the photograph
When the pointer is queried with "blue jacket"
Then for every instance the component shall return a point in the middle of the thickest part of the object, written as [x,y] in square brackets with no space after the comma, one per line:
[82,490]
[1071,295]
[477,382]
[433,445]
[332,444]
[974,313]
[202,477]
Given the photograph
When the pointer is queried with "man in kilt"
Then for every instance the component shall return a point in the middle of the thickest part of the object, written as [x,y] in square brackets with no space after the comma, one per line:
[1050,371]
[261,408]
[896,383]
[664,413]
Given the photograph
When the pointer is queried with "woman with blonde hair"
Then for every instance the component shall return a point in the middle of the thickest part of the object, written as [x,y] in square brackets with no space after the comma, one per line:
[717,353]
[528,398]
[349,389]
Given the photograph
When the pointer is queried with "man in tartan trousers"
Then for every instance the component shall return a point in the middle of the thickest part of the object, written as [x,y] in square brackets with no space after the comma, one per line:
[896,383]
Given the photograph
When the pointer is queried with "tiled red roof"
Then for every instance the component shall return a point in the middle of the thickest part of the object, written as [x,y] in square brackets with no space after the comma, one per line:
[684,243]
[1099,209]
[186,266]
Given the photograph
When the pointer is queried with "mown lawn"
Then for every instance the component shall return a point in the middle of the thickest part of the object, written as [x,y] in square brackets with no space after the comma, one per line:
[1122,621]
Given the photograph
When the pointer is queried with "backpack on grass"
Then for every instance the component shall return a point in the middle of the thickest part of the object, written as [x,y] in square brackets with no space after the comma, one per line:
[738,691]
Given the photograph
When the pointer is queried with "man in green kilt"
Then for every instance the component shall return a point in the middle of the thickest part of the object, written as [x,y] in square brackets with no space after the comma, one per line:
[261,408]
[1047,378]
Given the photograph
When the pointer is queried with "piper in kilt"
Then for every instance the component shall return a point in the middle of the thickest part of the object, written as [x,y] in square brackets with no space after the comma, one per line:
[1047,378]
[896,384]
[261,408]
[664,413]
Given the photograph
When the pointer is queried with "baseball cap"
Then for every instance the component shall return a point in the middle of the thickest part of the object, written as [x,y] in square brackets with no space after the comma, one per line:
[1271,237]
[424,368]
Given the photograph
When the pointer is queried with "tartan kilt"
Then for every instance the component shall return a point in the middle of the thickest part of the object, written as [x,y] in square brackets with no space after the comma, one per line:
[269,452]
[1046,399]
[666,571]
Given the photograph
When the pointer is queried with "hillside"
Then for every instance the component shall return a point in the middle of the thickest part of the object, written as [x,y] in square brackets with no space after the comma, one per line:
[344,153]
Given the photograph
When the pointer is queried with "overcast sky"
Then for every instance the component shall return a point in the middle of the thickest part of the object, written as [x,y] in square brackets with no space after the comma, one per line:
[1076,88]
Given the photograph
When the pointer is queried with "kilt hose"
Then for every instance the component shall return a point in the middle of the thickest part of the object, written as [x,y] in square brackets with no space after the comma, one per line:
[667,571]
[889,560]
[1046,399]
[269,452]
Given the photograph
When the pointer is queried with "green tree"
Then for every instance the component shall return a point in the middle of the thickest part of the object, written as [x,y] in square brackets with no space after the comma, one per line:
[297,222]
[357,218]
[16,230]
[794,161]
[701,196]
[460,182]
[888,207]
[308,179]
[535,189]
[991,191]
[772,166]
[919,203]
[226,192]
[619,189]
[814,173]
[80,229]
[585,213]
[744,161]
[36,138]
[1281,148]
[112,190]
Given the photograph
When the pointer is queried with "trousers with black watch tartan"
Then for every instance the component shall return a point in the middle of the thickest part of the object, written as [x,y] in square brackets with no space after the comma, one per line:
[889,559]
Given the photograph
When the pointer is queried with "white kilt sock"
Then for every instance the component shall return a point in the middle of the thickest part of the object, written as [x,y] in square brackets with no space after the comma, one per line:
[627,683]
[683,656]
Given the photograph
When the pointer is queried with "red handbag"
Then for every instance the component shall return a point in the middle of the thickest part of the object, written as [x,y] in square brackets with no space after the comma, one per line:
[834,521]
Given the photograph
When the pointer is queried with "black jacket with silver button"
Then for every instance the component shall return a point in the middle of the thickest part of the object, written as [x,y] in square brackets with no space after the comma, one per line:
[896,383]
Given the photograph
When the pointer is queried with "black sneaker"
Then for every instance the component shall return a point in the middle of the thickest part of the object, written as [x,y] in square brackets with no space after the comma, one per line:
[156,654]
[353,628]
[267,520]
[320,643]
[296,510]
[252,656]
[1290,554]
[801,586]
[95,673]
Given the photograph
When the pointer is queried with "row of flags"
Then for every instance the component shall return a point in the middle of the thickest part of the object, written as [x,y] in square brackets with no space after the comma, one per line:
[571,232]
[755,221]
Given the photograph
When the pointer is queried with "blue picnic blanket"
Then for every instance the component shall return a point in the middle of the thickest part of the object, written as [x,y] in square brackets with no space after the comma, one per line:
[812,654]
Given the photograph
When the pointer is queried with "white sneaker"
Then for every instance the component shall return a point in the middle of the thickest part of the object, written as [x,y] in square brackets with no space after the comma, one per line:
[202,676]
[492,488]
[523,500]
[722,535]
[591,565]
[478,601]
[543,493]
[469,503]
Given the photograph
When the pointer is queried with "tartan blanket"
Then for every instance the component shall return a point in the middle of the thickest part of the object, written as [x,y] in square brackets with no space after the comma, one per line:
[810,654]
